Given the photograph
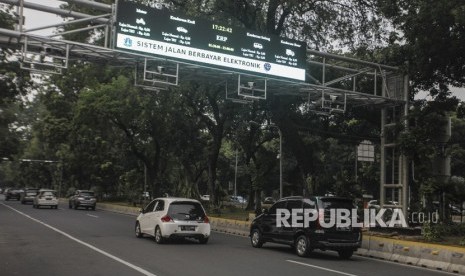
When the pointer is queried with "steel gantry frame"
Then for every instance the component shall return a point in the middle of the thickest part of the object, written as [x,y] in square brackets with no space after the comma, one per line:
[338,85]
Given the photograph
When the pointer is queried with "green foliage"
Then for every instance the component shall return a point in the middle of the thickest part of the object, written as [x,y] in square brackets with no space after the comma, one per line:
[432,232]
[433,40]
[323,25]
[437,232]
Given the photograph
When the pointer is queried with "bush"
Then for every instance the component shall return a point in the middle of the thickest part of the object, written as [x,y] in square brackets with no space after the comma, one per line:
[432,232]
[436,232]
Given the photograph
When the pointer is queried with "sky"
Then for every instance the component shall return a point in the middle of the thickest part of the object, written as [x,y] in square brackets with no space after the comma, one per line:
[39,19]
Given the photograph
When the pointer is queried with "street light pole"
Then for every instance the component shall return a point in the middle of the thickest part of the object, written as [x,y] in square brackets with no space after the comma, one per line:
[280,160]
[235,178]
[280,155]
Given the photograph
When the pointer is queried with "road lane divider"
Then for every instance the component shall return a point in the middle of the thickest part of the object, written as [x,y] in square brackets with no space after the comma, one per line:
[96,249]
[93,216]
[321,268]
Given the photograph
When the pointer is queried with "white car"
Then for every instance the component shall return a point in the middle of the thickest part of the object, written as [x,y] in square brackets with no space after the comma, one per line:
[238,199]
[46,198]
[170,217]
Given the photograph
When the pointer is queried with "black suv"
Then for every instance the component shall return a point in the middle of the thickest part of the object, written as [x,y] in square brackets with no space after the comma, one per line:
[307,236]
[13,194]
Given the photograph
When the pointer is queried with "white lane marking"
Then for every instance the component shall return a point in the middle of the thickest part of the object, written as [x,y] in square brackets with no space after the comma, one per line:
[321,268]
[92,216]
[139,269]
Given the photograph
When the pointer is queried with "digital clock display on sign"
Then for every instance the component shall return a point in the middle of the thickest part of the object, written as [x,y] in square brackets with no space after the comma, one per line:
[161,32]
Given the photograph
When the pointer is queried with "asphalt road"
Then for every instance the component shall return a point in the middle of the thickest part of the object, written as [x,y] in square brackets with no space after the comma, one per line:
[80,242]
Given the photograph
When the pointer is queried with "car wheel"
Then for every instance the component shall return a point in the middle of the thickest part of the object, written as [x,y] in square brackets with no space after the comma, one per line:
[158,236]
[302,246]
[6,199]
[345,254]
[256,238]
[93,208]
[70,206]
[75,206]
[203,240]
[138,231]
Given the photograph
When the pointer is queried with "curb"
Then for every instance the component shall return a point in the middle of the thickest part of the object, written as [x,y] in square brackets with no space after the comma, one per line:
[433,256]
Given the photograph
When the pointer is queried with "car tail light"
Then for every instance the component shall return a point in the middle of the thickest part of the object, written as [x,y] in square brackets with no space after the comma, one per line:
[166,219]
[206,220]
[318,226]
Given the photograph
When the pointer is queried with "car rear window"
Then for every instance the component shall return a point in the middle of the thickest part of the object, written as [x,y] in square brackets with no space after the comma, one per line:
[48,194]
[337,203]
[184,210]
[86,194]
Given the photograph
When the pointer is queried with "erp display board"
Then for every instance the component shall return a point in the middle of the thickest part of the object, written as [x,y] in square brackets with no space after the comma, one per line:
[161,32]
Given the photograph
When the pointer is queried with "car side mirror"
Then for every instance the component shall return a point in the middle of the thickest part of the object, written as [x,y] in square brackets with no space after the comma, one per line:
[265,211]
[141,210]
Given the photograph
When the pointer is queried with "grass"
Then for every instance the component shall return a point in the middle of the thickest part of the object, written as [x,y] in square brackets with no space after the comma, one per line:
[229,213]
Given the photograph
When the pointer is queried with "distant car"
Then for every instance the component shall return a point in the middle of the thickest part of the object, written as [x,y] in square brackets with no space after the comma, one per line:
[454,210]
[83,199]
[305,238]
[28,195]
[205,197]
[268,202]
[46,198]
[13,194]
[168,217]
[238,199]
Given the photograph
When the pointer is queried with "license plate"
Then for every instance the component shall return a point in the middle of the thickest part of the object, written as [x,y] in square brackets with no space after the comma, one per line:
[343,228]
[187,228]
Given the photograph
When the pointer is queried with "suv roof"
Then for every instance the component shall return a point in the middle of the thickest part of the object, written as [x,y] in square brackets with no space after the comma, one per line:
[316,197]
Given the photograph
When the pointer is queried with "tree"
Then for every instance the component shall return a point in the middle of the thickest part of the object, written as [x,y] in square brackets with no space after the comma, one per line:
[14,83]
[322,24]
[431,36]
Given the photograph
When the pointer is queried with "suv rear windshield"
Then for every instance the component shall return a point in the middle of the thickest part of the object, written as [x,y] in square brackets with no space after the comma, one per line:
[336,203]
[185,210]
[86,194]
